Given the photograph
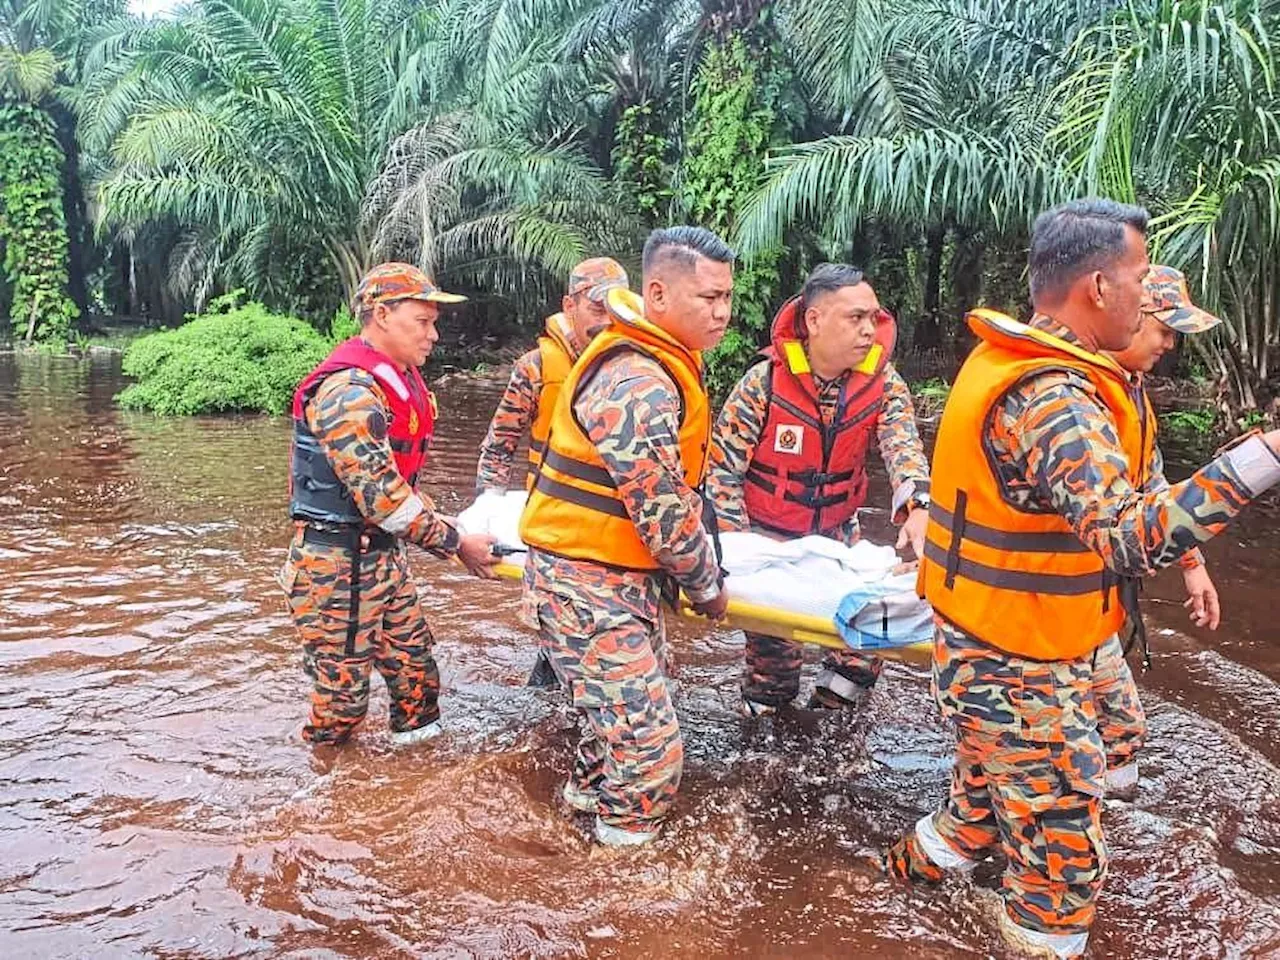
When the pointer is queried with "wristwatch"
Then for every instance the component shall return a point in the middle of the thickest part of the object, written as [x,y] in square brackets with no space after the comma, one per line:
[919,501]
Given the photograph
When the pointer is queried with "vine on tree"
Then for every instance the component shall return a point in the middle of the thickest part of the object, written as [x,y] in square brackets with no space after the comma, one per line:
[731,128]
[33,230]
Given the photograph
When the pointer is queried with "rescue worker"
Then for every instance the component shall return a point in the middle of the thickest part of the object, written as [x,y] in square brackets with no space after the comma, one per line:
[1167,311]
[362,424]
[615,522]
[788,458]
[1035,526]
[530,397]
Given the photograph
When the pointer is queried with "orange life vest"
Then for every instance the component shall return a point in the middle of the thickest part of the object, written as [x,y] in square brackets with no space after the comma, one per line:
[1018,578]
[574,509]
[555,357]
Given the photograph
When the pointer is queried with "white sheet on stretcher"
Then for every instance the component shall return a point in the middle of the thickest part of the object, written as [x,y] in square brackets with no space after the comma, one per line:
[811,575]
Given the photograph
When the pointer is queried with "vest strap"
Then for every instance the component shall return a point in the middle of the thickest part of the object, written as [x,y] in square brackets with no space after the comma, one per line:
[802,415]
[768,486]
[810,498]
[816,478]
[409,446]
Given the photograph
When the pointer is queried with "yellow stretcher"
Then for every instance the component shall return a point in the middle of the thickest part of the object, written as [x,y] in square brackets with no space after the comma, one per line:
[800,627]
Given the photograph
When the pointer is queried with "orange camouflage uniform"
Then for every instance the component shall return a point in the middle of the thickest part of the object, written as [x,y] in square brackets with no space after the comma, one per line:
[772,674]
[1030,760]
[348,416]
[600,625]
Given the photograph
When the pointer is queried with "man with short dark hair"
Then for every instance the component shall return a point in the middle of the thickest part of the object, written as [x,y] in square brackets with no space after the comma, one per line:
[615,522]
[362,424]
[788,458]
[1036,528]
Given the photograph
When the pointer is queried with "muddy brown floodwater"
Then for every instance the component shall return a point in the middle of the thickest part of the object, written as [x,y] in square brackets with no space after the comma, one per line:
[156,800]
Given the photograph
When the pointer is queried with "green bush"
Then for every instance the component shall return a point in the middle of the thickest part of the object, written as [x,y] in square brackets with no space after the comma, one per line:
[233,358]
[343,326]
[1196,422]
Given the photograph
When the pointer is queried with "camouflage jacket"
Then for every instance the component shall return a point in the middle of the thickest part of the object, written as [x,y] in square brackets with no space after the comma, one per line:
[516,412]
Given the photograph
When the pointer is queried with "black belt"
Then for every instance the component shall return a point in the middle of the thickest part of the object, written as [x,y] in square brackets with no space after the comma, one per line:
[371,538]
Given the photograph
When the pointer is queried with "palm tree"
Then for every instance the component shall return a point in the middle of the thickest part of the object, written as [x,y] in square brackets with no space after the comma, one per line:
[1179,107]
[350,128]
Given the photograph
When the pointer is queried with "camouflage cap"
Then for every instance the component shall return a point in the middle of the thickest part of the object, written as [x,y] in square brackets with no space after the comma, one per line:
[596,277]
[389,282]
[1165,297]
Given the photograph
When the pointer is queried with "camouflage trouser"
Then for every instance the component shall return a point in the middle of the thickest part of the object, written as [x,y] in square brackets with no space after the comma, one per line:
[1121,719]
[391,636]
[772,673]
[631,755]
[1041,802]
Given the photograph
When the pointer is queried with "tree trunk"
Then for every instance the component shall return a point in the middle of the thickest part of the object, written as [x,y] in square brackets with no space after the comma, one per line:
[73,206]
[928,332]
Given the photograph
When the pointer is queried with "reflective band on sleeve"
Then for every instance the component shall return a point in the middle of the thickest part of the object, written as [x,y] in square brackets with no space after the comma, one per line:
[938,850]
[404,515]
[1255,464]
[905,492]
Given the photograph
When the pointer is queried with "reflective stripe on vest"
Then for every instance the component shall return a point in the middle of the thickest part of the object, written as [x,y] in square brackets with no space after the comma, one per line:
[1012,577]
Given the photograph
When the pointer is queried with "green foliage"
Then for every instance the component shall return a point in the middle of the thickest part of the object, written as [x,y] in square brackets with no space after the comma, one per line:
[33,230]
[728,135]
[296,145]
[1254,420]
[239,358]
[640,163]
[934,389]
[1192,424]
[343,326]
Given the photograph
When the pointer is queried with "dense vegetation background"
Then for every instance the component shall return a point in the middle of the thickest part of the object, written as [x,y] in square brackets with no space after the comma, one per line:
[283,146]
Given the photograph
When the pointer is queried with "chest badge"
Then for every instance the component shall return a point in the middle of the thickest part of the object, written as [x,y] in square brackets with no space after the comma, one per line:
[413,422]
[789,438]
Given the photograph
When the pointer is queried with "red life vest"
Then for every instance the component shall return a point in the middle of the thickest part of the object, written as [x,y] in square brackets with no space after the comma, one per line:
[316,492]
[807,476]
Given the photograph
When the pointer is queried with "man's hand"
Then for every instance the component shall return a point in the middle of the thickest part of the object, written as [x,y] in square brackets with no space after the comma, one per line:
[475,550]
[715,608]
[912,531]
[1202,597]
